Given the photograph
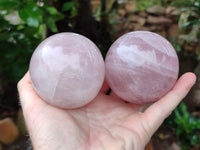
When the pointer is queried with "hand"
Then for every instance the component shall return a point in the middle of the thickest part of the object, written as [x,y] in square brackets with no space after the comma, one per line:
[107,123]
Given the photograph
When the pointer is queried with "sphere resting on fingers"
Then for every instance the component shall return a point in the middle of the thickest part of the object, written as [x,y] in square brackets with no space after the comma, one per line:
[67,70]
[141,67]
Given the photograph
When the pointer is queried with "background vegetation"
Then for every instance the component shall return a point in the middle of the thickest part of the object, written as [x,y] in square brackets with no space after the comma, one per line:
[25,23]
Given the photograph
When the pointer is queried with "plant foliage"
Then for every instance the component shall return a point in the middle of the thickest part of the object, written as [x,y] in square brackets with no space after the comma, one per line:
[144,4]
[189,21]
[186,126]
[23,25]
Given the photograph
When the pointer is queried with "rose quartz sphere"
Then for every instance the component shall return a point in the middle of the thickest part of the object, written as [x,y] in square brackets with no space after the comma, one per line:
[141,67]
[67,70]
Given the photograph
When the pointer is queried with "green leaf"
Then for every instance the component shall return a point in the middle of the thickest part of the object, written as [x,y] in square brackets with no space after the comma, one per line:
[4,36]
[42,31]
[52,10]
[67,6]
[51,24]
[8,4]
[54,14]
[33,22]
[183,20]
[31,15]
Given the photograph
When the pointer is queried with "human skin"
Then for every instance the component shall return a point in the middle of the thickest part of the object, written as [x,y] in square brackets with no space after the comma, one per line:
[107,123]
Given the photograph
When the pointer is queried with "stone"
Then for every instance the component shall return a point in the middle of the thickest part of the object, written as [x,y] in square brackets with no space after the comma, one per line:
[8,131]
[129,25]
[138,19]
[144,28]
[173,31]
[67,70]
[181,38]
[174,146]
[156,10]
[159,20]
[95,4]
[195,92]
[121,12]
[21,123]
[162,33]
[13,18]
[142,21]
[149,146]
[141,67]
[143,14]
[130,6]
[172,11]
[133,18]
[156,28]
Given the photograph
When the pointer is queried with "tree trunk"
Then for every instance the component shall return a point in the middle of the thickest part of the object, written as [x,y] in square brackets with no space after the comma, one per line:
[85,23]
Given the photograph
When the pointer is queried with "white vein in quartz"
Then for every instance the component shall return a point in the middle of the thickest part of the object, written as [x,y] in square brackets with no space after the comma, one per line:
[50,57]
[132,71]
[134,54]
[141,59]
[163,46]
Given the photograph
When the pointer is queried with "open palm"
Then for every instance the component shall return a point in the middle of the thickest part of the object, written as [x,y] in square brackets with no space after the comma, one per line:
[107,123]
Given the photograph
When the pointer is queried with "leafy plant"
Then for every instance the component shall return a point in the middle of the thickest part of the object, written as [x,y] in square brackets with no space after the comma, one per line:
[144,4]
[186,127]
[23,25]
[70,6]
[189,21]
[70,9]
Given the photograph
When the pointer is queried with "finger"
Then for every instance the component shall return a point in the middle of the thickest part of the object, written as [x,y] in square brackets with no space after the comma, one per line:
[105,87]
[157,112]
[28,97]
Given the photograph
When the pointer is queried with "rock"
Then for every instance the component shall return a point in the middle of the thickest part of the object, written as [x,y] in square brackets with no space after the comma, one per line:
[21,123]
[172,31]
[143,14]
[130,6]
[9,131]
[172,11]
[122,12]
[189,48]
[156,10]
[156,28]
[197,96]
[149,146]
[159,20]
[162,33]
[13,18]
[189,64]
[181,38]
[174,146]
[129,25]
[71,61]
[95,4]
[141,21]
[109,4]
[138,19]
[133,18]
[136,56]
[144,28]
[136,26]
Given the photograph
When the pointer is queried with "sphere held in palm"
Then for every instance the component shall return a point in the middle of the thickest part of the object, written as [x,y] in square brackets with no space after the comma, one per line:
[67,70]
[141,67]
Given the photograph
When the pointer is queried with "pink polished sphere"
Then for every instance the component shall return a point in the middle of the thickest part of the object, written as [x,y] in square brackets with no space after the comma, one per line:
[67,70]
[141,67]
